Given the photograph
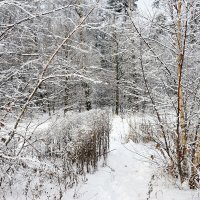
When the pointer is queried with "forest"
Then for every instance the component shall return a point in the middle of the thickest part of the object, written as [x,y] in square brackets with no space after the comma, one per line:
[98,97]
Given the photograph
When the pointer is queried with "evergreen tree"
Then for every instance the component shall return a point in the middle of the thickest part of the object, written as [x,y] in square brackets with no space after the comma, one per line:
[120,5]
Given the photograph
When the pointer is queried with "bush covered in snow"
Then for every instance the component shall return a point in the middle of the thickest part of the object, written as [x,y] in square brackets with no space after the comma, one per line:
[60,153]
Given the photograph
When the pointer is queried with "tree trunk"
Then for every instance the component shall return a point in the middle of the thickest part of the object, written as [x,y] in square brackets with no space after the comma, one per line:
[181,124]
[86,87]
[116,66]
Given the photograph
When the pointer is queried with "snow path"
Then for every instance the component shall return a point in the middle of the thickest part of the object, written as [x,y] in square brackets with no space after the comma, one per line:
[127,176]
[124,178]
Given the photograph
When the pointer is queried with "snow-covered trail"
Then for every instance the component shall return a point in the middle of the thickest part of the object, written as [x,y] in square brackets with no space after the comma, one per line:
[125,177]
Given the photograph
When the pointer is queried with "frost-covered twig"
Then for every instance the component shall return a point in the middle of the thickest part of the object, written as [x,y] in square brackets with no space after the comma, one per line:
[40,81]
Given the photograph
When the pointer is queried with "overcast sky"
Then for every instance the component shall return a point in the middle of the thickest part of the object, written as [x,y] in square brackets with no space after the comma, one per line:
[145,6]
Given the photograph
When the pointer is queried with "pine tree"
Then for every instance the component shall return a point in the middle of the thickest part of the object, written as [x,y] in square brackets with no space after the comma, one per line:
[120,5]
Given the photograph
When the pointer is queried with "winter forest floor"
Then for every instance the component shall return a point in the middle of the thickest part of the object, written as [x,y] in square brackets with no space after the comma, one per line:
[128,174]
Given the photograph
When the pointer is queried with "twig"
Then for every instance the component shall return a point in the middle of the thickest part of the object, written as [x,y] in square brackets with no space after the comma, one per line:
[40,80]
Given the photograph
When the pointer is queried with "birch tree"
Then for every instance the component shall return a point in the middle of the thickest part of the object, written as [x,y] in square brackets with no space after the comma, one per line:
[174,67]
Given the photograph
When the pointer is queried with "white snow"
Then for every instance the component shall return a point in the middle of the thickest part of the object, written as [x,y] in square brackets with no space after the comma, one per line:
[127,176]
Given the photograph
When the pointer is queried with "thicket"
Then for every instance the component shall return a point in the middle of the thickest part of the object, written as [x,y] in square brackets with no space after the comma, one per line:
[59,153]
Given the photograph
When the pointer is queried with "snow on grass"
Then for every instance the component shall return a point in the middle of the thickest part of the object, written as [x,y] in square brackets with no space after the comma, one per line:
[128,174]
[124,177]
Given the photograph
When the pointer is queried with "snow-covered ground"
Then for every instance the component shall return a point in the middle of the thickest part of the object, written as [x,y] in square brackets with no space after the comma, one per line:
[128,176]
